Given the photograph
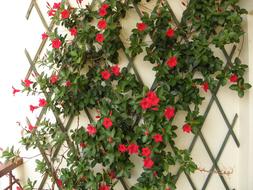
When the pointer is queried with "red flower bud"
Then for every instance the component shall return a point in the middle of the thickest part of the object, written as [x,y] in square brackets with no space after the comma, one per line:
[14,91]
[44,36]
[233,78]
[205,86]
[187,128]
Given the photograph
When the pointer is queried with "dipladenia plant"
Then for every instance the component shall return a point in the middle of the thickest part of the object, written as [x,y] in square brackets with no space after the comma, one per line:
[131,119]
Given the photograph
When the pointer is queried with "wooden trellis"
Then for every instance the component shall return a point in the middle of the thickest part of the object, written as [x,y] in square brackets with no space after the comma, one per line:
[7,170]
[214,99]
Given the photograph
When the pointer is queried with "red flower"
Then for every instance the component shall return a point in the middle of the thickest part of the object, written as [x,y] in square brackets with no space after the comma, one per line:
[233,78]
[169,112]
[57,6]
[102,12]
[32,108]
[42,102]
[205,86]
[154,100]
[102,24]
[145,103]
[115,70]
[107,123]
[68,83]
[122,148]
[158,138]
[44,36]
[170,33]
[18,188]
[59,183]
[31,127]
[104,187]
[53,79]
[187,128]
[172,62]
[105,74]
[146,152]
[73,31]
[91,130]
[133,149]
[14,91]
[82,145]
[105,6]
[148,163]
[141,26]
[51,12]
[65,14]
[56,43]
[27,83]
[149,101]
[100,38]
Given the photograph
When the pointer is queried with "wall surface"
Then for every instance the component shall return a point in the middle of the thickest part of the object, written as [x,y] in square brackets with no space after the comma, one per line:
[17,33]
[14,36]
[246,109]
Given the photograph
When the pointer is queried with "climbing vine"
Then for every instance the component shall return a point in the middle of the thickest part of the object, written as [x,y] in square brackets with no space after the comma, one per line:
[83,76]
